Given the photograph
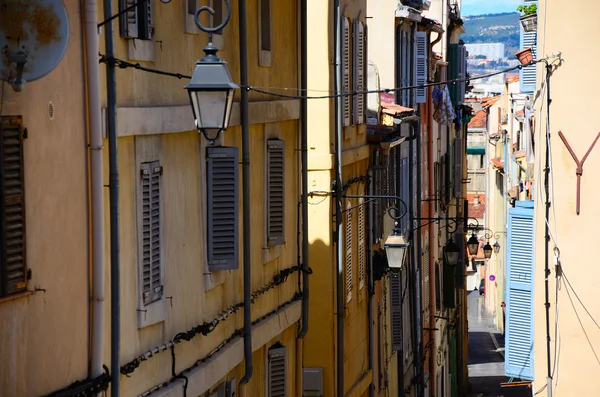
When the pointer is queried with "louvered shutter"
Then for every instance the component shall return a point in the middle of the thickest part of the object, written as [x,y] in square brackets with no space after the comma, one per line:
[519,304]
[359,72]
[277,371]
[404,72]
[223,214]
[462,73]
[128,22]
[361,244]
[348,252]
[12,207]
[346,65]
[448,285]
[458,169]
[405,172]
[152,286]
[275,192]
[421,65]
[527,80]
[396,311]
[146,20]
[426,287]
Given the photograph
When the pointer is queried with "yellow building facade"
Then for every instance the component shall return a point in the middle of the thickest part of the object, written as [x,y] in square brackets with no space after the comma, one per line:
[165,167]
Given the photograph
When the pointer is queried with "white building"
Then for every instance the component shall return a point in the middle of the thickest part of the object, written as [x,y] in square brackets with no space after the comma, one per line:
[493,51]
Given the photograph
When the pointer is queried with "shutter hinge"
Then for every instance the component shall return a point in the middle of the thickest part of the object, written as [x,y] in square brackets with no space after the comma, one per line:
[158,170]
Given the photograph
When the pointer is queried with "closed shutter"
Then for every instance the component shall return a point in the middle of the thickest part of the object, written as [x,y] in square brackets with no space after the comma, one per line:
[404,221]
[361,244]
[277,371]
[346,65]
[448,286]
[396,311]
[222,214]
[359,72]
[426,287]
[421,66]
[348,252]
[146,20]
[458,169]
[462,73]
[152,288]
[519,303]
[128,22]
[275,192]
[12,207]
[527,80]
[453,72]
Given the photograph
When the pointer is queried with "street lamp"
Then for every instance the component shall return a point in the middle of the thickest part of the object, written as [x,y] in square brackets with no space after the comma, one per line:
[473,245]
[395,248]
[487,250]
[211,88]
[451,251]
[496,248]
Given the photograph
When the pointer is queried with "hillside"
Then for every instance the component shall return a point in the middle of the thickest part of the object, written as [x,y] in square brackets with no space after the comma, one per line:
[494,28]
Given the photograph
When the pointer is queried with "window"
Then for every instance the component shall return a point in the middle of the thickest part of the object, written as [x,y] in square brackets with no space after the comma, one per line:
[421,66]
[438,288]
[276,382]
[137,22]
[527,80]
[349,252]
[426,287]
[396,311]
[275,192]
[265,44]
[359,71]
[152,285]
[346,76]
[361,244]
[12,208]
[222,208]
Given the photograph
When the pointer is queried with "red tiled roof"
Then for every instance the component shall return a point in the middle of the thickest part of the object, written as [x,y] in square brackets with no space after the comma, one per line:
[395,110]
[512,78]
[498,162]
[487,102]
[476,211]
[479,120]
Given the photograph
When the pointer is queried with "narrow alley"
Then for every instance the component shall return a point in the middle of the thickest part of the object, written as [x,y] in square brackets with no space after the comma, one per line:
[486,354]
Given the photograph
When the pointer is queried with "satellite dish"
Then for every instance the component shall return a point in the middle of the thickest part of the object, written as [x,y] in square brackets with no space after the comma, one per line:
[33,39]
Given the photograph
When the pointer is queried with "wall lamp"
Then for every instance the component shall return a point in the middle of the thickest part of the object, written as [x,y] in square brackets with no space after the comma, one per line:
[473,243]
[211,88]
[395,245]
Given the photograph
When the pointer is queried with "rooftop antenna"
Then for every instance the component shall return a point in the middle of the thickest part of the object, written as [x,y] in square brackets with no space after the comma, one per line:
[33,39]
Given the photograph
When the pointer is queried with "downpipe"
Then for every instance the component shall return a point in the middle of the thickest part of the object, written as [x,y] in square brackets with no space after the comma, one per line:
[371,284]
[248,369]
[97,186]
[113,183]
[337,15]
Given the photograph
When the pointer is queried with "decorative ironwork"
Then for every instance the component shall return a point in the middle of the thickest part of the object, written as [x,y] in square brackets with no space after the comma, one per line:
[393,211]
[212,30]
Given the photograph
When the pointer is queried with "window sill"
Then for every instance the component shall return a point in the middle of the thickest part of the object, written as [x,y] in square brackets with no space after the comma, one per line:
[19,295]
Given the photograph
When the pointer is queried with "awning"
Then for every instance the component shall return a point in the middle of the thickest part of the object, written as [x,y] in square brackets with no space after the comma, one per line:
[476,150]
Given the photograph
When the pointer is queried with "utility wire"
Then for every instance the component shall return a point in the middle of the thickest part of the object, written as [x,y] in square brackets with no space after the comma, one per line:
[577,296]
[582,327]
[122,64]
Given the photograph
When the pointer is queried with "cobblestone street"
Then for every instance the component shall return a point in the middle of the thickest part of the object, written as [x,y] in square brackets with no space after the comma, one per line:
[486,354]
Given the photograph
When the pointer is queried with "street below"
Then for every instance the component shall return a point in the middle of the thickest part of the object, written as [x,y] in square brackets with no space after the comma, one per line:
[486,354]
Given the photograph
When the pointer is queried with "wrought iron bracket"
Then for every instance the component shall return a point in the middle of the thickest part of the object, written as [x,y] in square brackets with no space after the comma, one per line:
[394,211]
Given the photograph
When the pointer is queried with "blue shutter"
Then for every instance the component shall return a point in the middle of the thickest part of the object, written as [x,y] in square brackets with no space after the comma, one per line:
[519,304]
[527,80]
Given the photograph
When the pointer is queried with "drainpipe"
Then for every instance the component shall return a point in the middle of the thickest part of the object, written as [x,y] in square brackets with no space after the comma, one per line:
[97,186]
[370,282]
[245,194]
[304,162]
[400,353]
[337,73]
[113,184]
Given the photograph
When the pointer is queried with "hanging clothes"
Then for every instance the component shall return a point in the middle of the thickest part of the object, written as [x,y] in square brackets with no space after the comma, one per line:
[443,111]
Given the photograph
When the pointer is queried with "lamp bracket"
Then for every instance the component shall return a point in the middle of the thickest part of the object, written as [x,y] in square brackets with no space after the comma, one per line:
[214,29]
[394,211]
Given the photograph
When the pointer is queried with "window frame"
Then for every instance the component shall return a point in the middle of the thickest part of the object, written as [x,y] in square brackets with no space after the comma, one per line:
[265,56]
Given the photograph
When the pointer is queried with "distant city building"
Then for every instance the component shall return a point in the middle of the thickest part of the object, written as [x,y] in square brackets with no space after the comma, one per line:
[490,50]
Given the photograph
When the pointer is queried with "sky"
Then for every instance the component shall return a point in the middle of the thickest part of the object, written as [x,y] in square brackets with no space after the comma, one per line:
[478,7]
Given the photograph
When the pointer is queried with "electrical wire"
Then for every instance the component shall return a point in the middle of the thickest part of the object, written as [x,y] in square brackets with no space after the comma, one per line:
[577,296]
[122,64]
[582,327]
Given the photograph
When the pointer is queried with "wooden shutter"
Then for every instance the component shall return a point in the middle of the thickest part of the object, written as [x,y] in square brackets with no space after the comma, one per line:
[275,192]
[129,21]
[146,20]
[346,65]
[348,252]
[222,214]
[458,169]
[359,72]
[277,371]
[361,244]
[421,66]
[462,73]
[405,195]
[426,286]
[449,288]
[396,311]
[12,207]
[519,303]
[152,286]
[528,78]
